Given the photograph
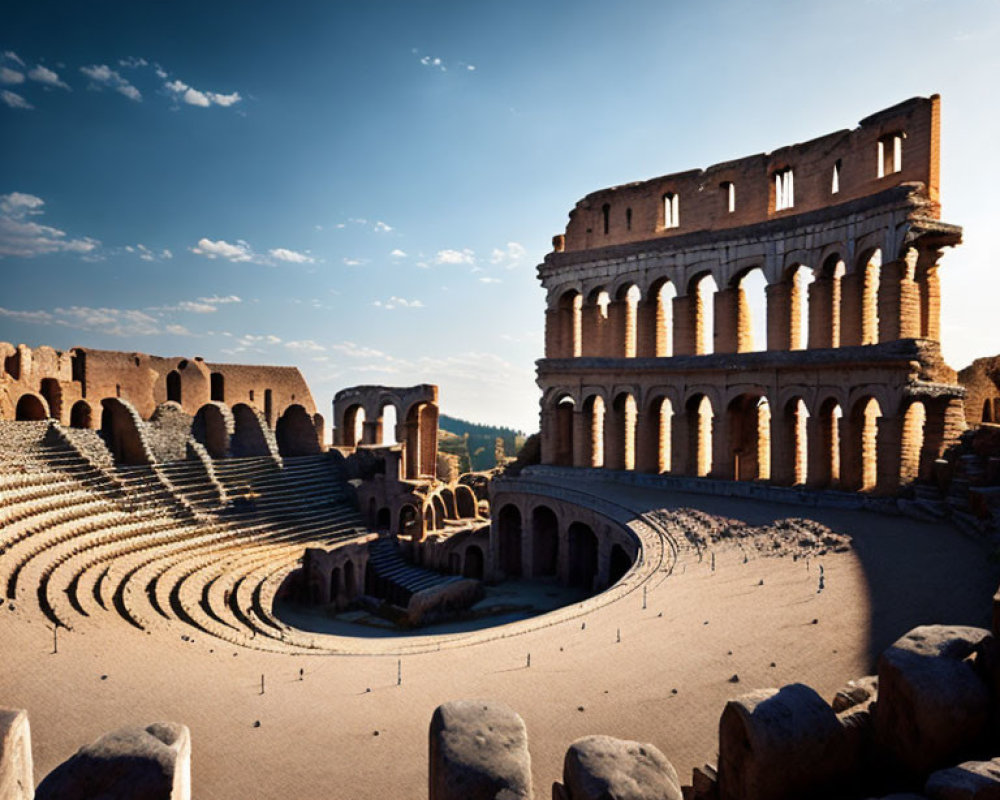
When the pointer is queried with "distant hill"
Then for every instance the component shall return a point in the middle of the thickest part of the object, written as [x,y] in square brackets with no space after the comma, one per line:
[475,444]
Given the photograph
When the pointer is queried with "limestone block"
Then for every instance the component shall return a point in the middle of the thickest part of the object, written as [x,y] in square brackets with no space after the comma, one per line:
[17,778]
[855,693]
[604,768]
[478,751]
[133,763]
[973,780]
[932,705]
[776,744]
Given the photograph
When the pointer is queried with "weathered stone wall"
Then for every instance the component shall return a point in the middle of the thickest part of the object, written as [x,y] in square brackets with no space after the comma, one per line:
[981,380]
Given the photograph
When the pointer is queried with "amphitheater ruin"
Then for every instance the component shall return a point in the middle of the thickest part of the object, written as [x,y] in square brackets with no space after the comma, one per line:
[711,521]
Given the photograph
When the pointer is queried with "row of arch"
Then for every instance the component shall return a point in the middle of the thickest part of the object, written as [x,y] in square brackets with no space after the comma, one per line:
[417,432]
[417,515]
[838,303]
[858,441]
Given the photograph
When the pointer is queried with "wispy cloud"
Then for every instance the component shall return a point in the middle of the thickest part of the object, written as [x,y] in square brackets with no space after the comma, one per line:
[21,236]
[397,302]
[195,97]
[132,62]
[488,279]
[14,100]
[435,62]
[147,254]
[111,321]
[11,77]
[47,77]
[293,256]
[465,256]
[355,262]
[397,253]
[512,255]
[238,252]
[10,55]
[103,77]
[221,300]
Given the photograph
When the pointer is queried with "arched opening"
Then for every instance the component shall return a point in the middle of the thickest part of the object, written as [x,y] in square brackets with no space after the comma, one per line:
[248,433]
[564,432]
[863,447]
[440,512]
[473,562]
[409,520]
[824,303]
[209,428]
[52,392]
[569,310]
[383,519]
[30,409]
[545,544]
[623,320]
[465,502]
[582,556]
[174,387]
[661,414]
[791,458]
[869,270]
[81,415]
[700,414]
[620,564]
[268,407]
[296,434]
[703,290]
[594,413]
[389,422]
[749,422]
[827,460]
[751,311]
[350,580]
[421,440]
[793,329]
[353,426]
[218,387]
[912,442]
[119,429]
[656,321]
[509,534]
[620,436]
[595,325]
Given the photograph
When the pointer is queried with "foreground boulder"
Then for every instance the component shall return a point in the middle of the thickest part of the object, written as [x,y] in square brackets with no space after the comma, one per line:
[478,751]
[855,693]
[17,779]
[932,706]
[973,780]
[134,763]
[777,744]
[604,768]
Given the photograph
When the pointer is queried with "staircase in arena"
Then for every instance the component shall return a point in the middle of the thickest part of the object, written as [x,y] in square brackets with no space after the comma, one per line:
[396,579]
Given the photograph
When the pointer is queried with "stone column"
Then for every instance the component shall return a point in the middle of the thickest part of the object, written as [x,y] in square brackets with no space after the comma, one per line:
[614,437]
[616,334]
[889,444]
[723,452]
[649,329]
[726,334]
[944,424]
[581,438]
[821,313]
[549,434]
[744,323]
[783,453]
[782,330]
[817,433]
[371,431]
[929,288]
[592,330]
[527,546]
[687,324]
[898,299]
[851,296]
[681,454]
[647,442]
[553,330]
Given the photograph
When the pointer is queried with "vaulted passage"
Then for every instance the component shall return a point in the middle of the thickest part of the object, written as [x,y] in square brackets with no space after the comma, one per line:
[509,528]
[582,556]
[296,433]
[30,408]
[545,544]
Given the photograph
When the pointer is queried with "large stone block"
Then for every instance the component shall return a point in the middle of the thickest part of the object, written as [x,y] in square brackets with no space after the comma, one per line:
[932,706]
[781,744]
[134,763]
[17,777]
[973,780]
[604,768]
[478,751]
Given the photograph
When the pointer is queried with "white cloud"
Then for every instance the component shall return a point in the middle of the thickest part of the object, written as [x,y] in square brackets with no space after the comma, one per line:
[511,255]
[397,302]
[305,345]
[132,62]
[397,253]
[196,307]
[148,254]
[283,254]
[102,76]
[465,256]
[47,77]
[22,237]
[10,55]
[14,100]
[488,279]
[194,97]
[221,300]
[111,321]
[10,76]
[238,252]
[354,262]
[438,63]
[381,227]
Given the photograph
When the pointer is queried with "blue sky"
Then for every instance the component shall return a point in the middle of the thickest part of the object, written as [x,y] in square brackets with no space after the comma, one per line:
[364,189]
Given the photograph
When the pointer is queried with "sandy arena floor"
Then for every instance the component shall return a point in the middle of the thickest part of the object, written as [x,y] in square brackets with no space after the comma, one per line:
[329,736]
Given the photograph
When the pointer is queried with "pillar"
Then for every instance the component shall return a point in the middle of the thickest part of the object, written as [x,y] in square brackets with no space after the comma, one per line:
[371,431]
[553,334]
[581,438]
[889,443]
[821,312]
[723,452]
[647,441]
[549,434]
[687,324]
[851,299]
[782,323]
[929,289]
[726,334]
[650,335]
[783,452]
[818,433]
[614,437]
[616,335]
[593,329]
[744,323]
[681,454]
[899,299]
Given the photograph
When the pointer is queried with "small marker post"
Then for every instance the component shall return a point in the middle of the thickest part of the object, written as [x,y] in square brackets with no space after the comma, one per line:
[262,683]
[644,598]
[529,660]
[619,636]
[399,672]
[55,638]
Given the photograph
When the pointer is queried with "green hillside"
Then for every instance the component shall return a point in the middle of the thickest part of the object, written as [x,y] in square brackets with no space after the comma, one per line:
[475,443]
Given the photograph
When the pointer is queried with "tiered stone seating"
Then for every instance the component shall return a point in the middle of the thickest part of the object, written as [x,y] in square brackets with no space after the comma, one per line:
[402,579]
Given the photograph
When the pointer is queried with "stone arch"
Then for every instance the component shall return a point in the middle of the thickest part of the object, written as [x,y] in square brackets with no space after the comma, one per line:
[594,414]
[81,415]
[296,433]
[620,432]
[748,421]
[31,408]
[120,429]
[448,498]
[748,289]
[174,387]
[564,408]
[421,440]
[409,520]
[545,542]
[440,512]
[699,413]
[658,436]
[594,323]
[583,551]
[623,320]
[509,533]
[568,330]
[788,308]
[860,470]
[695,327]
[465,502]
[352,425]
[860,298]
[912,442]
[388,421]
[825,462]
[474,566]
[383,519]
[212,427]
[824,302]
[790,448]
[655,320]
[248,437]
[53,393]
[620,564]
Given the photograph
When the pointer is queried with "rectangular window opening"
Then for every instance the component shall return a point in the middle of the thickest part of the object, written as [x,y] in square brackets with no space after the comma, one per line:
[784,189]
[835,185]
[671,210]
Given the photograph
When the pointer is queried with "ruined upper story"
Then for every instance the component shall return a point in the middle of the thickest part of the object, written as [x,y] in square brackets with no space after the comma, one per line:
[62,379]
[899,145]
